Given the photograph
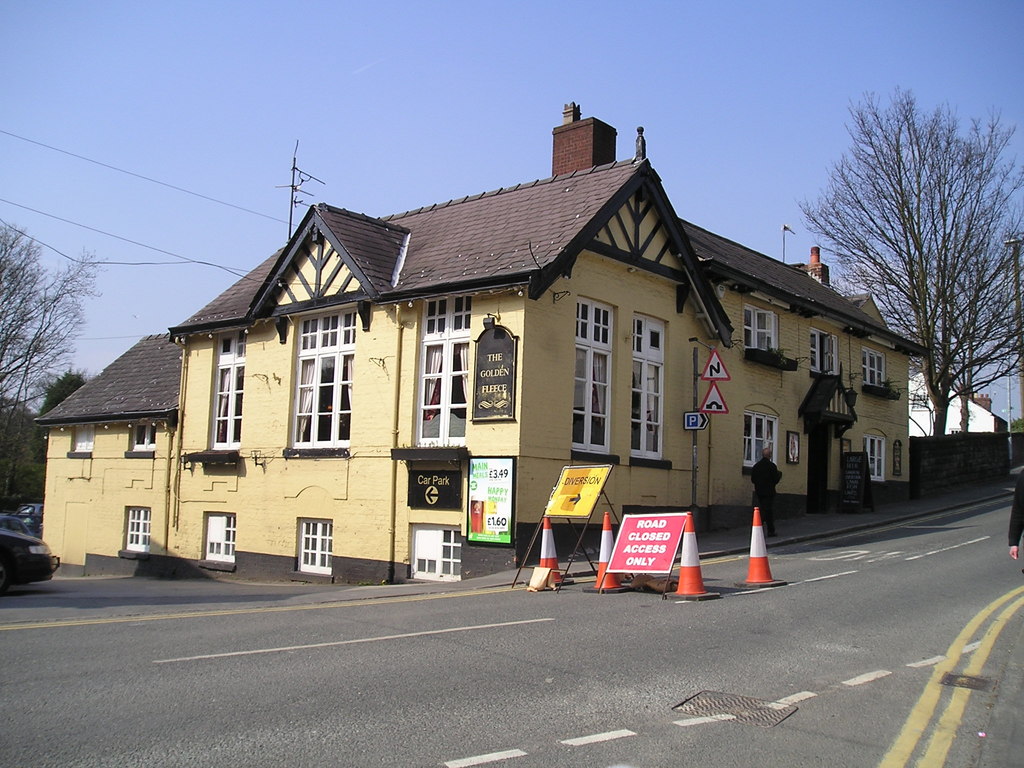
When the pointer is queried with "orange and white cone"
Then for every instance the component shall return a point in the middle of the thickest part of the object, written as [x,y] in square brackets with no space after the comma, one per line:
[758,573]
[606,582]
[548,556]
[691,583]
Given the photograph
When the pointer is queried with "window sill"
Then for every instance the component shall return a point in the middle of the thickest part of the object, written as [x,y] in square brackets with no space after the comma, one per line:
[140,454]
[602,458]
[438,453]
[316,453]
[131,554]
[79,454]
[636,461]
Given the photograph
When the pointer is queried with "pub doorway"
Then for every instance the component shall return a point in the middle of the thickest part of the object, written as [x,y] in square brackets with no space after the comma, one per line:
[818,451]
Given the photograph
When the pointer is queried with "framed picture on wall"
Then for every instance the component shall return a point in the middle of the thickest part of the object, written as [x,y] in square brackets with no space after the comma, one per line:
[792,447]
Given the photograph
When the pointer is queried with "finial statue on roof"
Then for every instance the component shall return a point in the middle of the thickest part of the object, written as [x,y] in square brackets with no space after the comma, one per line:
[641,145]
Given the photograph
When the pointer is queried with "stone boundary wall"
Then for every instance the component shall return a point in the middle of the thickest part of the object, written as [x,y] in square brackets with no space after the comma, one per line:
[939,463]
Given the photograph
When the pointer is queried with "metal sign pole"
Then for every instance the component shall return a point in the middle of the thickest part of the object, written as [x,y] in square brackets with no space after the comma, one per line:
[693,438]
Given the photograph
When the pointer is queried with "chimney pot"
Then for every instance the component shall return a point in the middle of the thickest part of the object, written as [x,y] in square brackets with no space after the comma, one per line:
[570,113]
[816,269]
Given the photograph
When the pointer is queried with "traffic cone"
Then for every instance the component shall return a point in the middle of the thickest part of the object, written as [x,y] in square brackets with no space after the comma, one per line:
[548,556]
[759,574]
[606,582]
[691,583]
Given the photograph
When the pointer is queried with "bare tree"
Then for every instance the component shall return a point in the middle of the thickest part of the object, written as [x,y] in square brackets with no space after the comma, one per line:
[917,213]
[40,314]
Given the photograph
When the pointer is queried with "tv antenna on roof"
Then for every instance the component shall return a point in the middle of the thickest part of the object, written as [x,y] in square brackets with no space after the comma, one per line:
[785,228]
[299,177]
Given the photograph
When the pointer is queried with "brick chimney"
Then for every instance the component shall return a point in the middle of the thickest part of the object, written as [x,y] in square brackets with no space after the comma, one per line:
[581,144]
[985,401]
[816,269]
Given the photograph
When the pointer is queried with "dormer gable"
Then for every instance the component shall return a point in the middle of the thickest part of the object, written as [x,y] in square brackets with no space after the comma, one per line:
[335,257]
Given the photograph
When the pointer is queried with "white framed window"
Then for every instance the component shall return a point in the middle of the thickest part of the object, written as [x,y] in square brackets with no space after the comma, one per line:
[316,546]
[227,401]
[85,438]
[437,553]
[824,352]
[759,430]
[647,407]
[444,384]
[592,390]
[144,437]
[872,366]
[874,447]
[323,396]
[137,535]
[220,537]
[760,328]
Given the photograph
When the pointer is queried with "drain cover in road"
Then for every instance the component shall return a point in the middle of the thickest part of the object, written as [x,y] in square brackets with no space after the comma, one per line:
[742,709]
[966,681]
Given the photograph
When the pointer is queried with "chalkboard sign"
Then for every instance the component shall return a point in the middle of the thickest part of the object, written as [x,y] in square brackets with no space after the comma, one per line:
[855,493]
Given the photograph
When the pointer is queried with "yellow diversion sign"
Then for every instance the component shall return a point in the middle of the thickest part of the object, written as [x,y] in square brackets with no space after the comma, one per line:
[577,491]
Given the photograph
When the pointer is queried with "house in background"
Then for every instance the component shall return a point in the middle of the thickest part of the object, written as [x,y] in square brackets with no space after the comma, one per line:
[979,413]
[391,398]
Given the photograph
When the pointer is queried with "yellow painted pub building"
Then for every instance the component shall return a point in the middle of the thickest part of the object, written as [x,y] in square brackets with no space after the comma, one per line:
[394,398]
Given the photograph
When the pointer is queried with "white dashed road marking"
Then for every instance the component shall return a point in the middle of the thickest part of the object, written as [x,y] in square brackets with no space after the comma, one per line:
[797,697]
[598,737]
[867,677]
[703,720]
[492,757]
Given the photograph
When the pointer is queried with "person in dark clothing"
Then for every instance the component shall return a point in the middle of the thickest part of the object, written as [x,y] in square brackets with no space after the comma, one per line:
[765,476]
[1017,516]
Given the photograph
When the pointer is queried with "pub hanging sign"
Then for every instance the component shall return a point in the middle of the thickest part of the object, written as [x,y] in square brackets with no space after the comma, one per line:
[494,380]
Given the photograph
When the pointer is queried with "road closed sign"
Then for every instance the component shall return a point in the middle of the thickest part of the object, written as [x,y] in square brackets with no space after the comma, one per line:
[647,543]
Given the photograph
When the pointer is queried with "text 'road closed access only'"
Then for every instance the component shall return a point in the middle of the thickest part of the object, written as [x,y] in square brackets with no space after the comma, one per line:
[647,543]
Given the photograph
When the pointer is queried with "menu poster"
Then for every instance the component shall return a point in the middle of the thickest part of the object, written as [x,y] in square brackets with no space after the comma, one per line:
[491,519]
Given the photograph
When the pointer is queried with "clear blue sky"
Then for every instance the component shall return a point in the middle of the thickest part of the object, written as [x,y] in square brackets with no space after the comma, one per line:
[396,105]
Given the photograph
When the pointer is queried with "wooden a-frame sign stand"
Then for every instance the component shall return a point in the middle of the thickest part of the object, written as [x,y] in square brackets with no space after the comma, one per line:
[573,497]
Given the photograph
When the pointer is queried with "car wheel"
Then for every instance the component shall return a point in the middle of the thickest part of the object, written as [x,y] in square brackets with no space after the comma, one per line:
[5,575]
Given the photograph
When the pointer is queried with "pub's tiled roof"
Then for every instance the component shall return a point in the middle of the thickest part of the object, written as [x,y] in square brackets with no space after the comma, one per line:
[143,382]
[493,238]
[723,258]
[504,233]
[231,306]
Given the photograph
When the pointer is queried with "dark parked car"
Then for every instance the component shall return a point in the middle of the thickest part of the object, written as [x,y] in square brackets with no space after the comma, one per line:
[16,524]
[24,559]
[32,516]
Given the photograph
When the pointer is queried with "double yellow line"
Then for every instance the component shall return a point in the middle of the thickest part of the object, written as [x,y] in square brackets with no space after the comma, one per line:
[922,715]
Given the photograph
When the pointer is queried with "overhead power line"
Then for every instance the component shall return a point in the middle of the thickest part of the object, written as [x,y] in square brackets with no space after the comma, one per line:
[140,176]
[183,259]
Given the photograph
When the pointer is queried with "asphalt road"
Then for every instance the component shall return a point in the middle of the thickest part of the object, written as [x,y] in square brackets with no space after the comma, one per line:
[884,648]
